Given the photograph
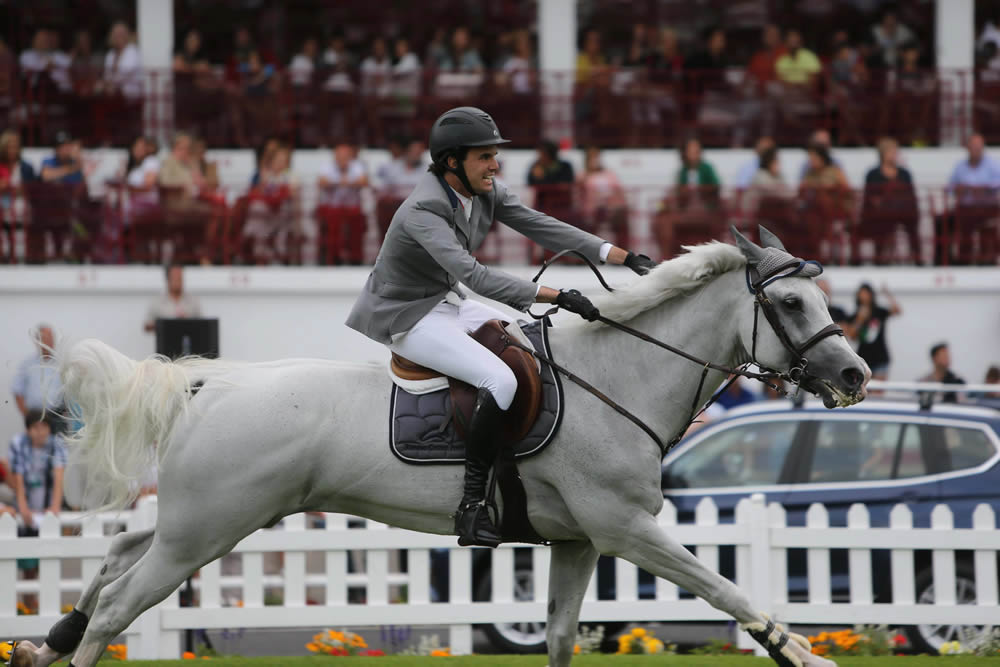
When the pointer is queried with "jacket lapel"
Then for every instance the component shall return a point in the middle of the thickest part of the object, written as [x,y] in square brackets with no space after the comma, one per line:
[435,195]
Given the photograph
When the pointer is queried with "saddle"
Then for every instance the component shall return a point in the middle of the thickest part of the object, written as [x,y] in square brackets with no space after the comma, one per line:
[495,336]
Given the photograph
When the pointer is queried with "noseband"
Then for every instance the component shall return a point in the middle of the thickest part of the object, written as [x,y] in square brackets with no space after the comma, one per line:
[797,369]
[796,374]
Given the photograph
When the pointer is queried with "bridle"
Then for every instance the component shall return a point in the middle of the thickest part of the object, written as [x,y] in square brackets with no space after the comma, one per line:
[796,374]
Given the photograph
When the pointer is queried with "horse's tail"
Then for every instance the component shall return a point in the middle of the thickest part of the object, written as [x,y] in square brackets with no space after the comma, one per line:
[127,409]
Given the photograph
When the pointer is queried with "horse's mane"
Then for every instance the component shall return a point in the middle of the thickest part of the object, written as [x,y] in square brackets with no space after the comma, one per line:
[671,278]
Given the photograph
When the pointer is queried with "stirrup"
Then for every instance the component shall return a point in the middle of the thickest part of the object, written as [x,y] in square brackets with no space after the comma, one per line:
[474,514]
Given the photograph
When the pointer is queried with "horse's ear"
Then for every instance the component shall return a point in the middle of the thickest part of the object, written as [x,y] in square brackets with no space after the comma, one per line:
[750,250]
[769,240]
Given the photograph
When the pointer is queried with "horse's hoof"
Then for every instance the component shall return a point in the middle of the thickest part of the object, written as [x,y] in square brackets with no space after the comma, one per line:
[802,649]
[24,655]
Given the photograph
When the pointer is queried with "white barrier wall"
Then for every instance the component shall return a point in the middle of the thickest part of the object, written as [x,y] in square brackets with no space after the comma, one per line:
[931,167]
[272,313]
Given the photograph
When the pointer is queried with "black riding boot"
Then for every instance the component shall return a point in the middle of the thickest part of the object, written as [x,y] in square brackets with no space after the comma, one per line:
[472,521]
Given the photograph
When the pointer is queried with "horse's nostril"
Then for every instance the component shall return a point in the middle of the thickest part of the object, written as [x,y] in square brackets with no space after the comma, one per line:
[853,378]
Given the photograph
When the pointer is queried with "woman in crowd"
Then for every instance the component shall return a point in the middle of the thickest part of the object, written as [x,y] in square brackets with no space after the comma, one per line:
[603,199]
[271,210]
[867,326]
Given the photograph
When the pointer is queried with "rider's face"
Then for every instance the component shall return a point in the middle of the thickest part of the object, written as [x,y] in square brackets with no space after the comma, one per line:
[480,167]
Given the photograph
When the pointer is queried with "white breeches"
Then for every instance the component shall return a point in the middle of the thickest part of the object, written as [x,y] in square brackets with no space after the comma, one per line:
[441,341]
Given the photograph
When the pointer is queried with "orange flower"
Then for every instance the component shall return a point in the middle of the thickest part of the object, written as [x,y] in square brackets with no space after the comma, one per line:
[576,649]
[441,653]
[820,649]
[188,655]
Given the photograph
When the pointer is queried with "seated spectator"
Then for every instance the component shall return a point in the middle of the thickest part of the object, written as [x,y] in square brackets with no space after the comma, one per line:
[398,178]
[191,63]
[847,87]
[518,72]
[209,170]
[603,199]
[992,377]
[767,192]
[820,137]
[14,172]
[271,211]
[175,303]
[748,170]
[336,53]
[798,66]
[827,203]
[942,373]
[867,327]
[437,47]
[591,62]
[186,210]
[37,463]
[85,64]
[762,65]
[974,183]
[552,179]
[405,71]
[890,35]
[339,211]
[142,170]
[690,213]
[912,98]
[376,70]
[889,201]
[720,105]
[305,63]
[66,166]
[462,57]
[37,384]
[118,116]
[45,63]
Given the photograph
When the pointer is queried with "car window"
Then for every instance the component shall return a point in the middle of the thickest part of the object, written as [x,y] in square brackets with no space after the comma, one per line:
[745,455]
[848,451]
[911,457]
[966,447]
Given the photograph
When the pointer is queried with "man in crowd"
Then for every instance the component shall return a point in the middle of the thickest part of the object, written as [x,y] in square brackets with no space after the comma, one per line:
[66,166]
[175,303]
[942,373]
[398,178]
[552,179]
[975,182]
[36,384]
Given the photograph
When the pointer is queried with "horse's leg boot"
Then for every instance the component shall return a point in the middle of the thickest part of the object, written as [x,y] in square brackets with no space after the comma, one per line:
[472,521]
[788,649]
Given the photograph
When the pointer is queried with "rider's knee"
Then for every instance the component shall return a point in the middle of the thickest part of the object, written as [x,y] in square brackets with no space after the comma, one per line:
[504,387]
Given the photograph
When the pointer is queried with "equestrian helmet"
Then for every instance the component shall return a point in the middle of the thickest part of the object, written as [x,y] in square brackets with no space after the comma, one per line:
[459,127]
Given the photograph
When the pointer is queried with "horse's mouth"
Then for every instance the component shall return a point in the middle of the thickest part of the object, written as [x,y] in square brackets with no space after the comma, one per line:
[831,395]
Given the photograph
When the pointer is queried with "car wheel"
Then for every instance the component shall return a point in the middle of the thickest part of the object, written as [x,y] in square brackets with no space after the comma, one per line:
[929,638]
[514,637]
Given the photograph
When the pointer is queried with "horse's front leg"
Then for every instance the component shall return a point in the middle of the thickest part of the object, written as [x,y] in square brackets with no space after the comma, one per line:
[644,543]
[570,570]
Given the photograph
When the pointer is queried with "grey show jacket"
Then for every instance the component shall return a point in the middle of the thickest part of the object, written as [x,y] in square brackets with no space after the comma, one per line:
[427,252]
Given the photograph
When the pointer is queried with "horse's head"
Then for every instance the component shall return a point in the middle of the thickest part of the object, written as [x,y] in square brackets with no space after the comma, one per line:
[791,330]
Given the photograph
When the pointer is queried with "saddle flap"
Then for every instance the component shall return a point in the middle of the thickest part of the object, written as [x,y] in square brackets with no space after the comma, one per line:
[527,400]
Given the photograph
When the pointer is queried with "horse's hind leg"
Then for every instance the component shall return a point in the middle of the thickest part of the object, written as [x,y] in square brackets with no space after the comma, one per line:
[126,549]
[157,574]
[644,543]
[569,573]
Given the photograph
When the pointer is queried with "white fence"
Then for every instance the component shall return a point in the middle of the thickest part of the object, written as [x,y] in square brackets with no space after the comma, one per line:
[759,533]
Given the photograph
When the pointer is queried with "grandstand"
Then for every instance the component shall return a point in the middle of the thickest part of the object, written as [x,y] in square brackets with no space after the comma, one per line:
[633,79]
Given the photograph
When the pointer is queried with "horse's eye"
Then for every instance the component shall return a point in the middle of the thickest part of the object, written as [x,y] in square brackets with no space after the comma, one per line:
[793,303]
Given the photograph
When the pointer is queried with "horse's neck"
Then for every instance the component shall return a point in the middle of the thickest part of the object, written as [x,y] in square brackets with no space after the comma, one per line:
[655,384]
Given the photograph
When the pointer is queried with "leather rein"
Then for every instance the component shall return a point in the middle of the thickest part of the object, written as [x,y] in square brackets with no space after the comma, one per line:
[796,374]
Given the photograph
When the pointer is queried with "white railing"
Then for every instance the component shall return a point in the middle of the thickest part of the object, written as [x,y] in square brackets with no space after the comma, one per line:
[759,533]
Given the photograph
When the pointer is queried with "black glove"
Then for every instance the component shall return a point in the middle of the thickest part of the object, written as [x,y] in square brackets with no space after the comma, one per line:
[575,302]
[639,263]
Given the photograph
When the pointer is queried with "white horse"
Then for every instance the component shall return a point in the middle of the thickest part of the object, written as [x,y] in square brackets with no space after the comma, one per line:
[258,442]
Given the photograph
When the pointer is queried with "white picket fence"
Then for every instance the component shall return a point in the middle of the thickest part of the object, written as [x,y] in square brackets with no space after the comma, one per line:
[759,533]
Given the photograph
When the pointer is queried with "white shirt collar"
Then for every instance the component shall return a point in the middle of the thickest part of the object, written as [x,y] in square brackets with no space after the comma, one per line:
[465,203]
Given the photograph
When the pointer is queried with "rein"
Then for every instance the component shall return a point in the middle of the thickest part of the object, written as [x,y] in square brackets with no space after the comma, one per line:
[796,374]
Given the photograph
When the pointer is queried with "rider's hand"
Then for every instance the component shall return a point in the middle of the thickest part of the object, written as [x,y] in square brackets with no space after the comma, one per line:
[639,263]
[575,302]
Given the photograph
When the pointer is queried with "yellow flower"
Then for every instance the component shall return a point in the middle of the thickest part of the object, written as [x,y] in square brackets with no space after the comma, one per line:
[314,647]
[639,632]
[66,608]
[336,636]
[357,641]
[6,649]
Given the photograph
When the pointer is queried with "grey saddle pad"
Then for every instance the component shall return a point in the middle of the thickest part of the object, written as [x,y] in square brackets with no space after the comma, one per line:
[421,429]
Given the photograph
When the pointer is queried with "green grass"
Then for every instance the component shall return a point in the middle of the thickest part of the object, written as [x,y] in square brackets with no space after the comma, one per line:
[540,661]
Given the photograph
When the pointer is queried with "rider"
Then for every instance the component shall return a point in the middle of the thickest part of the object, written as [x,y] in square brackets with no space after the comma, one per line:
[412,301]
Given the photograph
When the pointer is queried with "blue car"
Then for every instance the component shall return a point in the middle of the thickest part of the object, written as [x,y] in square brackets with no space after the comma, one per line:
[879,453]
